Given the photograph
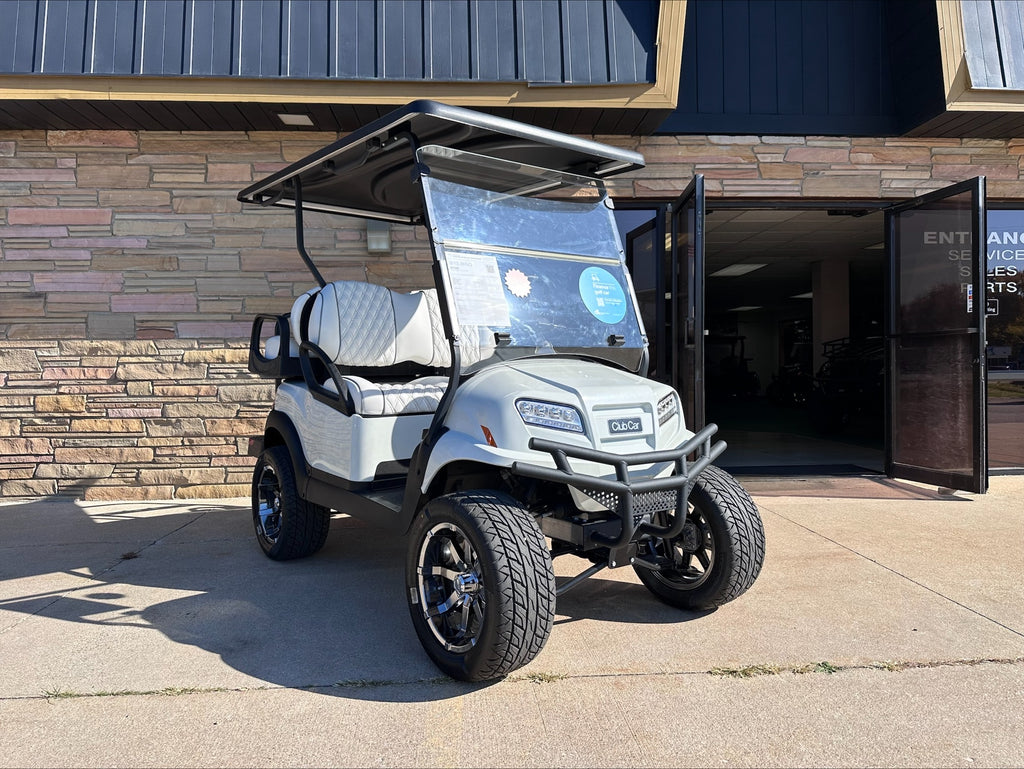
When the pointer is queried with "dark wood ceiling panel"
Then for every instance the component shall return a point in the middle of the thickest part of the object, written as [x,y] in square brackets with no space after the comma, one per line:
[66,114]
[981,125]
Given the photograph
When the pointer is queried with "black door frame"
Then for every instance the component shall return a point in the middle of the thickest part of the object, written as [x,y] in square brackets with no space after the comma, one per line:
[686,350]
[656,332]
[972,328]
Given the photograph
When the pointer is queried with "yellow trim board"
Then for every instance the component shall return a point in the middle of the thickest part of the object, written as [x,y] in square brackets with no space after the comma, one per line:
[961,95]
[662,94]
[951,45]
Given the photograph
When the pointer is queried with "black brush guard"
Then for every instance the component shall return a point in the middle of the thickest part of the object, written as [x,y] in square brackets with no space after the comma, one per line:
[624,493]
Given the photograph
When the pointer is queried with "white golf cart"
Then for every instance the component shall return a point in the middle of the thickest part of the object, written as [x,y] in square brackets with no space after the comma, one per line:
[501,418]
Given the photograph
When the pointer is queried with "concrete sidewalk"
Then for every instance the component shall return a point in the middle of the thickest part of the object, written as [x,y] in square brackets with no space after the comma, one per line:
[886,629]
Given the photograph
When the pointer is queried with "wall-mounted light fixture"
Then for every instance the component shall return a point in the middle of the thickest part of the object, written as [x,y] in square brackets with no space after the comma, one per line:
[378,237]
[295,119]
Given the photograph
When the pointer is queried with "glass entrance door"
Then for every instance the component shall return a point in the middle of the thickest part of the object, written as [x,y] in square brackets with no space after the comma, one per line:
[643,259]
[684,262]
[935,338]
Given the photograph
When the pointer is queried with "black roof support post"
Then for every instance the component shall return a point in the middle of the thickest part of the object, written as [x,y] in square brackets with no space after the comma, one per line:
[300,241]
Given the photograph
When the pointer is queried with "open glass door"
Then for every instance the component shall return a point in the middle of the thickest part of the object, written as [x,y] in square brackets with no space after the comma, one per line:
[935,338]
[684,262]
[643,254]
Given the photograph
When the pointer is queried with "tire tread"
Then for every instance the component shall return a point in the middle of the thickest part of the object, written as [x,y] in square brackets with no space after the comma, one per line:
[304,525]
[527,588]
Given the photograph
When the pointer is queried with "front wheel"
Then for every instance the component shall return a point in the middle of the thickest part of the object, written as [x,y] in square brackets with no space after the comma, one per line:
[480,584]
[719,553]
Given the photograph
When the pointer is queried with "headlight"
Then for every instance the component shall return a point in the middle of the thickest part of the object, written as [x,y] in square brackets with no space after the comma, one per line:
[553,415]
[668,407]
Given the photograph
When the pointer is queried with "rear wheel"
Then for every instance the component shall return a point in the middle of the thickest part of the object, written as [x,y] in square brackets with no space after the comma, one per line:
[287,526]
[719,553]
[480,584]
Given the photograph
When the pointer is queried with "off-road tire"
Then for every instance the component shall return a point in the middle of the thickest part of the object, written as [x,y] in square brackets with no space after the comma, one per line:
[729,537]
[287,526]
[480,558]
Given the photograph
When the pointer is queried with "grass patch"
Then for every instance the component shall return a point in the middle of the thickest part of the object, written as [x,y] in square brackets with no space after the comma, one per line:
[544,678]
[891,667]
[818,667]
[57,693]
[359,683]
[750,671]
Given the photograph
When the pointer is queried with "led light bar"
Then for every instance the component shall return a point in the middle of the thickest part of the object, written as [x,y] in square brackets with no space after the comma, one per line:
[553,415]
[668,407]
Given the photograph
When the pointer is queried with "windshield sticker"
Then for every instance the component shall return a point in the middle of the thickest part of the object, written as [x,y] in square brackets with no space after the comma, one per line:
[602,295]
[518,283]
[476,283]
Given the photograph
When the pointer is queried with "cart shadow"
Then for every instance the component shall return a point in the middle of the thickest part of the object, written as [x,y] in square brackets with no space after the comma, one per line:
[608,600]
[335,623]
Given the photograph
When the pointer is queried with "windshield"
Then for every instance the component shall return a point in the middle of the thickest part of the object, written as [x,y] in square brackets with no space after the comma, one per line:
[529,275]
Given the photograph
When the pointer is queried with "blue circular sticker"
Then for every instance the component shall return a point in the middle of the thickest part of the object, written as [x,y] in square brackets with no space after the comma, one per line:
[602,295]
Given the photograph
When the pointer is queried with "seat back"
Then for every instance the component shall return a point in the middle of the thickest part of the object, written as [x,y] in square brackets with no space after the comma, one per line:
[363,324]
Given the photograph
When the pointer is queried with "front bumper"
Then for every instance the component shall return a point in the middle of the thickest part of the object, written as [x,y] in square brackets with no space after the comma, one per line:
[631,501]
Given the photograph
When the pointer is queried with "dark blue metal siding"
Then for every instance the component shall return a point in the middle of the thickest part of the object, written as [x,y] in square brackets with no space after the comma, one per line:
[63,47]
[994,42]
[256,39]
[160,30]
[797,66]
[916,57]
[18,36]
[110,21]
[206,55]
[543,41]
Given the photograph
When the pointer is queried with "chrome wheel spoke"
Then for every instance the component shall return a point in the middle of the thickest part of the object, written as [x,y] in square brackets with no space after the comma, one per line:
[443,571]
[445,606]
[467,608]
[268,513]
[450,587]
[458,560]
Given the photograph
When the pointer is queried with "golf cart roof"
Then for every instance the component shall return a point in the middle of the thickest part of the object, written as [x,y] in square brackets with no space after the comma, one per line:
[370,173]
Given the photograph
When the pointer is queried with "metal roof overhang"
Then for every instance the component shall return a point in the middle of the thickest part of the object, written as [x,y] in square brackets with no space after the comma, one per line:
[367,174]
[41,101]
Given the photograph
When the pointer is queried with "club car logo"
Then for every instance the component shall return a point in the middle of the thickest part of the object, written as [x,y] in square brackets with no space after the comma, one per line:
[625,425]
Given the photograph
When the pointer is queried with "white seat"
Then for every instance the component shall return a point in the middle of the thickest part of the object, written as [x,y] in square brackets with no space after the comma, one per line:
[366,325]
[272,347]
[420,396]
[363,324]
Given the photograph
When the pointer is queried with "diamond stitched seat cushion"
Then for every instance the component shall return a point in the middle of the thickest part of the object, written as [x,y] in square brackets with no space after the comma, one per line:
[363,324]
[420,396]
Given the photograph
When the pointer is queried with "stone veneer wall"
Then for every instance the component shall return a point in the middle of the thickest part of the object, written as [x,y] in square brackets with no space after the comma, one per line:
[129,275]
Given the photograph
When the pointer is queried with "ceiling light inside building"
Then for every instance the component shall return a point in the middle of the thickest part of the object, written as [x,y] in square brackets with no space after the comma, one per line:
[295,120]
[744,308]
[808,295]
[734,270]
